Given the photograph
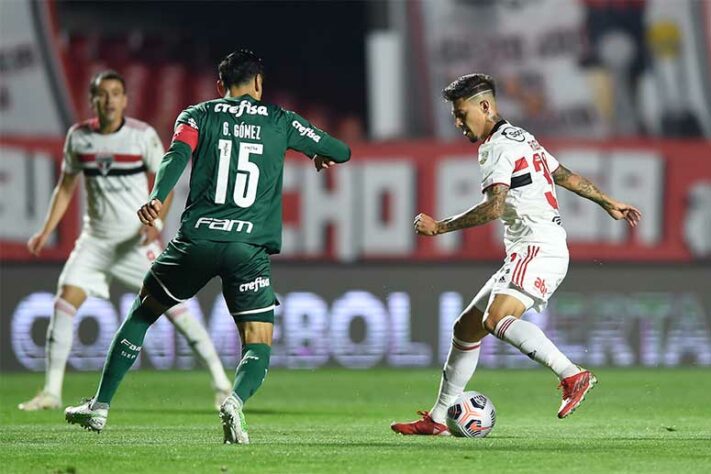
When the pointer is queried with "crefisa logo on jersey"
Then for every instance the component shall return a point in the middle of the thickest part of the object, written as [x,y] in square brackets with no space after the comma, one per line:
[243,107]
[103,163]
[306,131]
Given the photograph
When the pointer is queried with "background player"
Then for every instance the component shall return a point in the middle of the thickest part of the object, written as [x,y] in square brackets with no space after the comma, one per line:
[231,223]
[114,153]
[518,182]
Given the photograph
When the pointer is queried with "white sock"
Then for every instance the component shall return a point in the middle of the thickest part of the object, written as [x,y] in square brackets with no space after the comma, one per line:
[458,370]
[530,340]
[199,340]
[60,334]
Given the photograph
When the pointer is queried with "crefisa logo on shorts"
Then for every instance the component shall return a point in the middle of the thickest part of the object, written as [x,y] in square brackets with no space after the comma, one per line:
[255,285]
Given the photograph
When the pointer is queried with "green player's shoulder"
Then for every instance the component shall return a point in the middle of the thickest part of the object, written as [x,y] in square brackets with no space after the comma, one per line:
[197,109]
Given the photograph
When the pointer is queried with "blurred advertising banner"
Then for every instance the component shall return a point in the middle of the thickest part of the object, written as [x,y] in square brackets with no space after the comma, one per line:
[363,211]
[397,315]
[34,98]
[586,68]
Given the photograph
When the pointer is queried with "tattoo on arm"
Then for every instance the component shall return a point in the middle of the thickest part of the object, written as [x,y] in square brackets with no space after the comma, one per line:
[492,208]
[580,185]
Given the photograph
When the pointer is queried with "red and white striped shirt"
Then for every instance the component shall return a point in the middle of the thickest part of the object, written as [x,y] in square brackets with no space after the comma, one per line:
[512,156]
[114,167]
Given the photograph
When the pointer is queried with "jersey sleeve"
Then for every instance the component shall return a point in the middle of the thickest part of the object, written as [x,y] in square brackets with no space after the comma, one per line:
[187,127]
[552,162]
[497,168]
[154,150]
[183,144]
[70,161]
[304,137]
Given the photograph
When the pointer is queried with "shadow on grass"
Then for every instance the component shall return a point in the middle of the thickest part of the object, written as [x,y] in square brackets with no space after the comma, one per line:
[168,411]
[212,412]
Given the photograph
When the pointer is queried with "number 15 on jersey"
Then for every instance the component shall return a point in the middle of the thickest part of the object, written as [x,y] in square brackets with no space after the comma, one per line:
[245,188]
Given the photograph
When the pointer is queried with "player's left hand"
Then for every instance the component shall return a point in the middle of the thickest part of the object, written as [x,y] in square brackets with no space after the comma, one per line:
[149,212]
[620,210]
[322,163]
[426,225]
[149,234]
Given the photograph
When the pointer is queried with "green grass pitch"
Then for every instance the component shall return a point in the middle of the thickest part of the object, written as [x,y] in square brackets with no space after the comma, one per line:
[338,421]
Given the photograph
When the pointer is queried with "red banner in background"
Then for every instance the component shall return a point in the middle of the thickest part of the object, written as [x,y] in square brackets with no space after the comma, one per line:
[364,210]
[29,170]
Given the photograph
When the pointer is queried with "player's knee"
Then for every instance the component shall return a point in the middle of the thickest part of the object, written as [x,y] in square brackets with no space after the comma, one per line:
[491,319]
[468,326]
[152,304]
[72,295]
[256,332]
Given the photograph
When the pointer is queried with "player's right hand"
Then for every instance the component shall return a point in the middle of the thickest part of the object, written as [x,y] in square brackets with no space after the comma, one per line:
[425,225]
[36,243]
[149,212]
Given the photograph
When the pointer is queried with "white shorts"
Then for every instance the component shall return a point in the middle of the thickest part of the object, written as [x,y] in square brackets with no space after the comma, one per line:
[531,273]
[95,262]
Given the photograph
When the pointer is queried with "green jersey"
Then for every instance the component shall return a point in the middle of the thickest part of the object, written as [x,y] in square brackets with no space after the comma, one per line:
[237,168]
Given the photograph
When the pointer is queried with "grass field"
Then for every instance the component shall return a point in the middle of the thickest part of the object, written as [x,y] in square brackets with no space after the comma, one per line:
[338,421]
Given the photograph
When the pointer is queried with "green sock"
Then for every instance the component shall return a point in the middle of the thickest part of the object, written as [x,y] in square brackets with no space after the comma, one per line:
[252,370]
[124,350]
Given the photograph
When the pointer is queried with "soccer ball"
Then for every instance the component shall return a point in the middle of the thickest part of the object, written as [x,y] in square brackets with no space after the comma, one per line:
[471,416]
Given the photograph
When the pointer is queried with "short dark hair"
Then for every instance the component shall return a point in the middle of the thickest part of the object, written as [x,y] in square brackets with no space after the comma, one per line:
[239,67]
[469,85]
[102,76]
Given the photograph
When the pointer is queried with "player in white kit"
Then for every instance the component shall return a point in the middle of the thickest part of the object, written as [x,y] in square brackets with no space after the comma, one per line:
[518,181]
[114,153]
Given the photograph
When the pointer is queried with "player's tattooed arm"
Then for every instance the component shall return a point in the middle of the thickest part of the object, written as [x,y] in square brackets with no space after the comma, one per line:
[490,209]
[579,185]
[582,186]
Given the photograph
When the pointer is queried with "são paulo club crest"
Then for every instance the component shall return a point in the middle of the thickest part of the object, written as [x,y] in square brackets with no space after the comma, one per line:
[104,162]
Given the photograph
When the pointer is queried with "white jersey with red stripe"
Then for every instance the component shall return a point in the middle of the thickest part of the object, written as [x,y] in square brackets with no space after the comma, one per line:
[114,167]
[512,156]
[536,250]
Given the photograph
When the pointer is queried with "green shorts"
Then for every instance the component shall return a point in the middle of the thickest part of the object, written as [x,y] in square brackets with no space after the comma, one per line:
[186,266]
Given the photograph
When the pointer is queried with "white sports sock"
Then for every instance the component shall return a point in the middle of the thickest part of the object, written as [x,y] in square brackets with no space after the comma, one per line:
[530,340]
[60,334]
[199,340]
[458,370]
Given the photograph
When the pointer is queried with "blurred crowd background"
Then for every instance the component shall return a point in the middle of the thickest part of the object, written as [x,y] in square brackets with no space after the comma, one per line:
[619,90]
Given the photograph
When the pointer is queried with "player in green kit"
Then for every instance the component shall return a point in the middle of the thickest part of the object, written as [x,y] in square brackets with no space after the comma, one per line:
[231,224]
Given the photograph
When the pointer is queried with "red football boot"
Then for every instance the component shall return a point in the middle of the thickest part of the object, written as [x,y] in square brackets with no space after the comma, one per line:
[424,426]
[575,388]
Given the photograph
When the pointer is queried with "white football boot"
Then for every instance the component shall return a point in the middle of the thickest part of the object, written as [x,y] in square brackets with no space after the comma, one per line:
[41,401]
[220,396]
[87,416]
[233,424]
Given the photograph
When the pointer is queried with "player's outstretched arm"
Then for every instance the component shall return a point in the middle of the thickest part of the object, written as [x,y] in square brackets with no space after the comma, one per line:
[304,137]
[61,197]
[587,189]
[171,167]
[490,209]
